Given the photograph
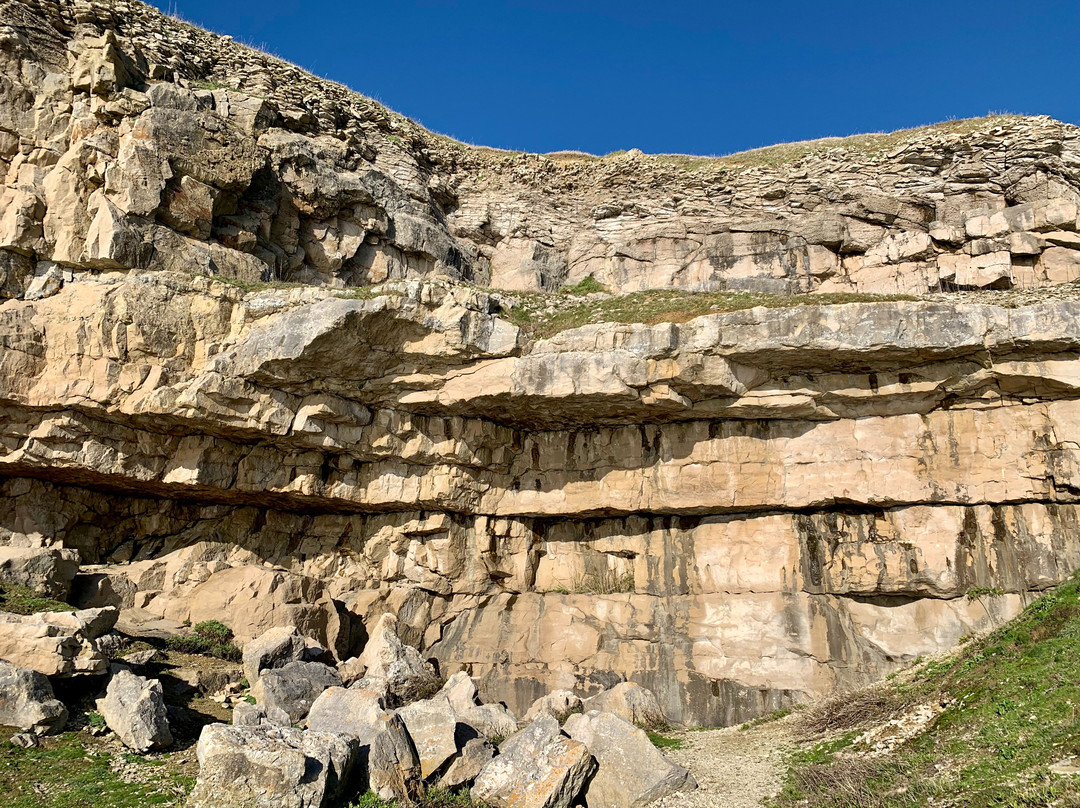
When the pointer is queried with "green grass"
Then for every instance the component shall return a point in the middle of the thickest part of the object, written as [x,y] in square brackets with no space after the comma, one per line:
[434,798]
[23,600]
[659,306]
[1013,708]
[65,772]
[661,741]
[586,286]
[208,638]
[775,715]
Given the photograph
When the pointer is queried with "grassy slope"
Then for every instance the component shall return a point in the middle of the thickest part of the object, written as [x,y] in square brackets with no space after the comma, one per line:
[1013,709]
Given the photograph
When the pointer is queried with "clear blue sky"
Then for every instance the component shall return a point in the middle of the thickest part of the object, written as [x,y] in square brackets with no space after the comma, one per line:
[673,75]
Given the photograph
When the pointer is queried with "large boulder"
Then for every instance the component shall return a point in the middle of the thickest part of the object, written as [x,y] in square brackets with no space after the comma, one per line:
[494,721]
[48,571]
[559,704]
[270,767]
[434,728]
[538,767]
[27,701]
[273,649]
[294,687]
[631,702]
[57,643]
[134,708]
[393,666]
[387,759]
[631,772]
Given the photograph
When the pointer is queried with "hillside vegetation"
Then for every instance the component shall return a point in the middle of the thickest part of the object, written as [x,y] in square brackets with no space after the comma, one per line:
[984,727]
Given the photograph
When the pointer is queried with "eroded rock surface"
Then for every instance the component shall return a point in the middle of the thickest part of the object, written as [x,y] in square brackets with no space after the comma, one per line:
[241,376]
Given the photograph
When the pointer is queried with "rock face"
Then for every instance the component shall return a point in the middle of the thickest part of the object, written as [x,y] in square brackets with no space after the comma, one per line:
[27,701]
[239,375]
[278,767]
[134,708]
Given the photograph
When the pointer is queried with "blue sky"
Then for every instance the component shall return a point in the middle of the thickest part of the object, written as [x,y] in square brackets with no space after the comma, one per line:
[673,75]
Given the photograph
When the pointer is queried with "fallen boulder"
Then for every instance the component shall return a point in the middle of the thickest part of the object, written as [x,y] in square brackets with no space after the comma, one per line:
[386,756]
[395,667]
[134,708]
[631,772]
[435,730]
[294,687]
[560,704]
[467,766]
[56,643]
[48,571]
[274,649]
[493,721]
[538,767]
[270,767]
[27,700]
[631,702]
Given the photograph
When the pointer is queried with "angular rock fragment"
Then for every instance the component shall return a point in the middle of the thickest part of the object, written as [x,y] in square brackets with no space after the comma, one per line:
[273,649]
[27,701]
[48,571]
[434,727]
[467,766]
[560,704]
[56,643]
[631,702]
[631,772]
[257,715]
[537,768]
[270,767]
[493,721]
[293,687]
[387,758]
[134,708]
[395,666]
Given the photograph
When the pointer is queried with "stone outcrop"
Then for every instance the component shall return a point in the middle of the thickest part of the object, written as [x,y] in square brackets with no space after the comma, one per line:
[248,369]
[293,688]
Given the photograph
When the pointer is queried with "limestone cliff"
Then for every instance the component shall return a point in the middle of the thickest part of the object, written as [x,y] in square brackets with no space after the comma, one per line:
[739,511]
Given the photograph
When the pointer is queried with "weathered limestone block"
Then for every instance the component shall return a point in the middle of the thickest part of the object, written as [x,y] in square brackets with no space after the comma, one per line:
[630,771]
[134,708]
[293,687]
[270,767]
[393,666]
[630,702]
[27,701]
[537,768]
[48,571]
[275,648]
[56,643]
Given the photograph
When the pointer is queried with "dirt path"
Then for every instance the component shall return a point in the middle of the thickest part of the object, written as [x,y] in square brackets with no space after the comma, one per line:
[734,769]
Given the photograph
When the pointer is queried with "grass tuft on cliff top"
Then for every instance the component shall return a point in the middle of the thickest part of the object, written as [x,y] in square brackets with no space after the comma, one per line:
[1012,709]
[543,316]
[23,600]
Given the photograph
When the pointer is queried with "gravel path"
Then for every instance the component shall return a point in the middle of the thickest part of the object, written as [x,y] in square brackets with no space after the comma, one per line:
[734,769]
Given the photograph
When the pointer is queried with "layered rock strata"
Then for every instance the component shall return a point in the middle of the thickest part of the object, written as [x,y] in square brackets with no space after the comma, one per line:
[740,511]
